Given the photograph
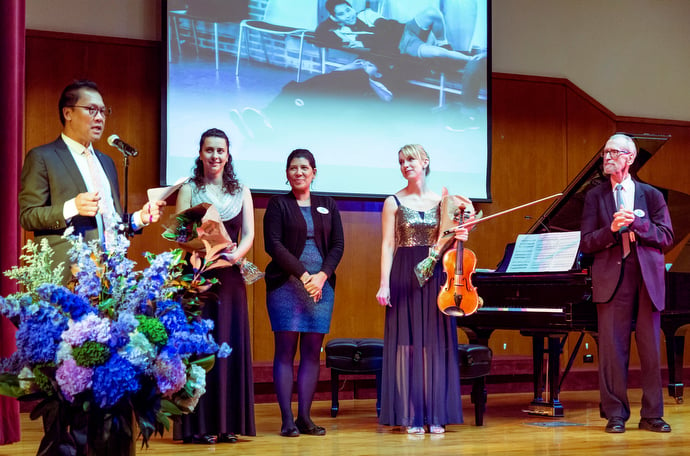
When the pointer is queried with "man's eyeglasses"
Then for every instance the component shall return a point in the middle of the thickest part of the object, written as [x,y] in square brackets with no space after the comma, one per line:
[614,153]
[93,110]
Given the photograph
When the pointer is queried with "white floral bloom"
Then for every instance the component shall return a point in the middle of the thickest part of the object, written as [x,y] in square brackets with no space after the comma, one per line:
[26,377]
[139,351]
[64,352]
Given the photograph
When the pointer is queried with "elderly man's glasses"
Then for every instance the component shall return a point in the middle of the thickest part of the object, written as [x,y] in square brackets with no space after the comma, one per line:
[93,110]
[614,153]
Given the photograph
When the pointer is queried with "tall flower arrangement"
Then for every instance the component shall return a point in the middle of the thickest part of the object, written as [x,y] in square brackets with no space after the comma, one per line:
[117,346]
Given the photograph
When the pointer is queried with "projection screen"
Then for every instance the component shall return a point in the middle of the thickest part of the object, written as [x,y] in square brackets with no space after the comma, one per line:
[352,85]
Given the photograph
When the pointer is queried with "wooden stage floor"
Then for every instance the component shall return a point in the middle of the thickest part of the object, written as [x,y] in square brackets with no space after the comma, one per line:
[507,431]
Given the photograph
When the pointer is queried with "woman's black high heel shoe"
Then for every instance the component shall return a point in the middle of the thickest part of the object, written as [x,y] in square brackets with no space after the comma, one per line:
[305,429]
[227,437]
[206,439]
[289,432]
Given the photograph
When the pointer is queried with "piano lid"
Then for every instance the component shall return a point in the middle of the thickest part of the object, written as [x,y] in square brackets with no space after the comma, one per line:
[565,213]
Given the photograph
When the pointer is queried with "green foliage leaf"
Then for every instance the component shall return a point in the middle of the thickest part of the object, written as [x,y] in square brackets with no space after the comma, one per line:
[169,408]
[9,385]
[207,363]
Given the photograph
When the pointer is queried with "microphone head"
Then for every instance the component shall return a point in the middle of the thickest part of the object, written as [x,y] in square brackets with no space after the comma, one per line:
[112,138]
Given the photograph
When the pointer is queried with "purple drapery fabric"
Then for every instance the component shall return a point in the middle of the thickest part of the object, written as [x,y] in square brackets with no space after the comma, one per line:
[12,45]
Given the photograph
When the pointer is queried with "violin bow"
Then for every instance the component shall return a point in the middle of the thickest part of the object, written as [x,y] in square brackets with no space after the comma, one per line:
[489,217]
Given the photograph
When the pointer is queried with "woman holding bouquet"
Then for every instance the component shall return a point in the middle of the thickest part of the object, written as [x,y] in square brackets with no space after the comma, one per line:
[227,408]
[420,377]
[303,235]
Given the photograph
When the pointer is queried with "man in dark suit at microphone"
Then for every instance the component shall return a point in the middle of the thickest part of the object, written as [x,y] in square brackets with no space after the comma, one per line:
[67,183]
[627,227]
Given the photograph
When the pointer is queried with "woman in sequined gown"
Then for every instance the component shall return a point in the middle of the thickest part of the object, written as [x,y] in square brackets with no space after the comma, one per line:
[421,377]
[227,408]
[303,235]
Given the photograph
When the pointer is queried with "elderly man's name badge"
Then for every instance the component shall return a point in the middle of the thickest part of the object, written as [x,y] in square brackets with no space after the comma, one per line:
[639,213]
[322,210]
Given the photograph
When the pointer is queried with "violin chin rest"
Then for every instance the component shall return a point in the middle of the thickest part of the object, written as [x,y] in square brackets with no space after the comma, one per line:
[453,311]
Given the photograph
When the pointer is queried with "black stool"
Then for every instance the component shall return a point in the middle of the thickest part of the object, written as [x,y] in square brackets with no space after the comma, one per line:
[354,357]
[475,365]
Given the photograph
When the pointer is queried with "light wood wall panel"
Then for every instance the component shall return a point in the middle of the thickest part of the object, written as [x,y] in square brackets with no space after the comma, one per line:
[544,131]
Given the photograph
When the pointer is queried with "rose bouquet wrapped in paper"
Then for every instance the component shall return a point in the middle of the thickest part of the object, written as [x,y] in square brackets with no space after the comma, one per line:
[191,227]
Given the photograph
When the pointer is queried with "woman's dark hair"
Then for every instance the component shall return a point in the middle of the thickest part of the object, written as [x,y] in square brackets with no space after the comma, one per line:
[70,95]
[301,153]
[230,182]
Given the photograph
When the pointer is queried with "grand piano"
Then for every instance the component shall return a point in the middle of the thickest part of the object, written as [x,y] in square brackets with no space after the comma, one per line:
[548,306]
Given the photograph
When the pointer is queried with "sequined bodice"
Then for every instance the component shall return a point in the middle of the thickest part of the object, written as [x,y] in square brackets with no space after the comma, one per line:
[413,228]
[228,205]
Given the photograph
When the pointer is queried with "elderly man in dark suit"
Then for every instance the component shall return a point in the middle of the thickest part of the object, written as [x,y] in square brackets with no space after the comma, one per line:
[68,183]
[626,226]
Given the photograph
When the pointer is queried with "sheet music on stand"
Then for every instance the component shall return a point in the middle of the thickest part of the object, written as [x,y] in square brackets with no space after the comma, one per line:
[545,252]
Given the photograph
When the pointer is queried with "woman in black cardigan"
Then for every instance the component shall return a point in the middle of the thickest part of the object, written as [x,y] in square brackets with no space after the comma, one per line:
[303,235]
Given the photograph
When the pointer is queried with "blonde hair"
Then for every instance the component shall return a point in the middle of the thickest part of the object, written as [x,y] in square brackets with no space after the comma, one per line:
[417,152]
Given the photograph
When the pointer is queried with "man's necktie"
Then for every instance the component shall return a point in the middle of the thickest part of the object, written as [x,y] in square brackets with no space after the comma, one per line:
[106,211]
[625,235]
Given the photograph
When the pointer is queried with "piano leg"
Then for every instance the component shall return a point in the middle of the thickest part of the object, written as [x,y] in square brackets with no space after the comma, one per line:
[675,348]
[552,405]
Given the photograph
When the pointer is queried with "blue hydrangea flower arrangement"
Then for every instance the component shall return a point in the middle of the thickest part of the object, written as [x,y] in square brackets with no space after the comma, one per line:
[118,346]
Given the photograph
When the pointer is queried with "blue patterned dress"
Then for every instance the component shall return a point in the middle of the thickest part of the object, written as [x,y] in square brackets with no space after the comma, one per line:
[290,308]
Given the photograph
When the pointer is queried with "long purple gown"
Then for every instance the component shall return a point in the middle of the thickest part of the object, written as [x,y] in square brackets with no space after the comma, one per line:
[228,405]
[421,375]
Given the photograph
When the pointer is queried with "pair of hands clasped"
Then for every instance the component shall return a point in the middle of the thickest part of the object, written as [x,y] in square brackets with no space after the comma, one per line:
[87,204]
[313,283]
[621,219]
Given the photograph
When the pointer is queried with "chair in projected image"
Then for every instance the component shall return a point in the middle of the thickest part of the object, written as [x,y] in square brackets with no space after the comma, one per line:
[202,12]
[286,19]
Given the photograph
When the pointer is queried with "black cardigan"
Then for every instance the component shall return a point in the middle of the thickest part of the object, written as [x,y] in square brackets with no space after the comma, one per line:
[285,234]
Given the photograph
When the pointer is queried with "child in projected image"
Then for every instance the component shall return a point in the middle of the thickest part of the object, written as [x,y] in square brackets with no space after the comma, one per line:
[424,36]
[383,40]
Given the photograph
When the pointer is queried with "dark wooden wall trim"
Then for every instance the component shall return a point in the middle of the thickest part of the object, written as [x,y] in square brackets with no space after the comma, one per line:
[92,38]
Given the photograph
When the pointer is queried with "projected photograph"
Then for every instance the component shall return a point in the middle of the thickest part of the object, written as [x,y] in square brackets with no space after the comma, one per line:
[350,80]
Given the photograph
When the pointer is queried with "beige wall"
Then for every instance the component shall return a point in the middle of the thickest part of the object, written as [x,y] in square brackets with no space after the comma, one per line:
[138,19]
[630,55]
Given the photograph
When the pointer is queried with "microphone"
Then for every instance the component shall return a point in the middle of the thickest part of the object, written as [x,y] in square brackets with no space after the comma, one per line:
[122,146]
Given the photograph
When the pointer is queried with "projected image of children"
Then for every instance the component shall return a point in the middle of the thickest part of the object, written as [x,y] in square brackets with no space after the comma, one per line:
[368,76]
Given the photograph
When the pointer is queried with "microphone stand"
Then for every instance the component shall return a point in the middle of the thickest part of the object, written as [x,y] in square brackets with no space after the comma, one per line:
[125,206]
[126,189]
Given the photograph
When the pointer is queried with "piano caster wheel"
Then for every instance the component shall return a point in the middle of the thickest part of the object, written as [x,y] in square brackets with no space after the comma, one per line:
[679,400]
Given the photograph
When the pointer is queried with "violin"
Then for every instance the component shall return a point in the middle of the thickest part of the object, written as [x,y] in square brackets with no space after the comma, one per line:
[458,297]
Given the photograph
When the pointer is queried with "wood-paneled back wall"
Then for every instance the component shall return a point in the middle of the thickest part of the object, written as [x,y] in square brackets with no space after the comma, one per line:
[544,131]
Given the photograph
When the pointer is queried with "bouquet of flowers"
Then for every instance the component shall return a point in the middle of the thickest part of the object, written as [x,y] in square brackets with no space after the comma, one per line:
[116,346]
[200,223]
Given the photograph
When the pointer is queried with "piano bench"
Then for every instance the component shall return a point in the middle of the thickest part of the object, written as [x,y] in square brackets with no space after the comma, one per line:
[475,365]
[354,357]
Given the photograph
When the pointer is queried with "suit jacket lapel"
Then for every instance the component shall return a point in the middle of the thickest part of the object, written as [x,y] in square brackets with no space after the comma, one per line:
[610,200]
[71,168]
[639,198]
